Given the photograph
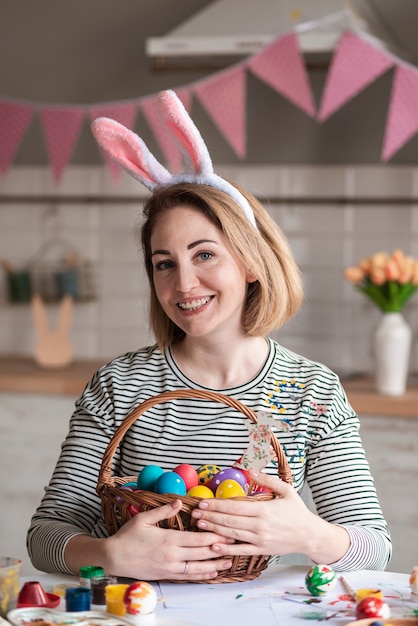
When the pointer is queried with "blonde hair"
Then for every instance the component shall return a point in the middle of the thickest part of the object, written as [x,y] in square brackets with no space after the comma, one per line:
[277,293]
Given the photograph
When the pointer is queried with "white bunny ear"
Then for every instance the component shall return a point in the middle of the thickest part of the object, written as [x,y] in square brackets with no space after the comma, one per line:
[177,119]
[129,150]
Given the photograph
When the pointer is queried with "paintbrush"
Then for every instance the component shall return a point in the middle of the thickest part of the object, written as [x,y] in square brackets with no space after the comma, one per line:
[351,592]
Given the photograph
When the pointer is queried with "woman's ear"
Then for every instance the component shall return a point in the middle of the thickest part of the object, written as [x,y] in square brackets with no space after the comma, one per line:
[251,278]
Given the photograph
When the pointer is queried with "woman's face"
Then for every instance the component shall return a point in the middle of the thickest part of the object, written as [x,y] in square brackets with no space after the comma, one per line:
[199,282]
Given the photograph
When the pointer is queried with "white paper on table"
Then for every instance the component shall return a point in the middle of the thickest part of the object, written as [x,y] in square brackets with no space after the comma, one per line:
[279,590]
[269,585]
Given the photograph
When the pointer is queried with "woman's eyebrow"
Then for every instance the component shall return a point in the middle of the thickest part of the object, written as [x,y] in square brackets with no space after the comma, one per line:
[189,247]
[198,242]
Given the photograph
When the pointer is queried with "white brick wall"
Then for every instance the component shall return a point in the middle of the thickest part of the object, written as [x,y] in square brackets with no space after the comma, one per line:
[335,322]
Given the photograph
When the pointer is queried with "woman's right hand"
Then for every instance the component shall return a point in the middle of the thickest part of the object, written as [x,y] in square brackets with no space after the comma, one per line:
[144,551]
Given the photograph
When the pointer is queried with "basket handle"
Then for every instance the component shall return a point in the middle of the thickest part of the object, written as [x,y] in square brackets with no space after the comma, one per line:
[105,474]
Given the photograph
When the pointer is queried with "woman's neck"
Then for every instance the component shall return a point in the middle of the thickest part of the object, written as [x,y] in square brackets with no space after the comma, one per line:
[221,366]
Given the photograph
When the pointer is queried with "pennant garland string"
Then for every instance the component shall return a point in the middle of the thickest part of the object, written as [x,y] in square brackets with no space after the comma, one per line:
[357,61]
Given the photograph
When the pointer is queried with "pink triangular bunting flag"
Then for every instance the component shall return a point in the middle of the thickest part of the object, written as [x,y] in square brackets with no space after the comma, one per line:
[61,127]
[281,66]
[223,97]
[185,95]
[125,114]
[14,120]
[355,65]
[402,121]
[164,139]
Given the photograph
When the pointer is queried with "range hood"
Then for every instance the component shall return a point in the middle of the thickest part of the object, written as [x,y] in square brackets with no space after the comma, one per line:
[227,30]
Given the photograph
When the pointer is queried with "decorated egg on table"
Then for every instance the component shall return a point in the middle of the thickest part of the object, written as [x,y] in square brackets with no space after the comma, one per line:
[200,491]
[229,489]
[188,474]
[148,476]
[413,582]
[372,607]
[170,482]
[230,473]
[320,579]
[140,598]
[206,473]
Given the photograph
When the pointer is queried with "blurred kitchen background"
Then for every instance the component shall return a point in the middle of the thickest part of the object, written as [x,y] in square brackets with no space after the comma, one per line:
[325,182]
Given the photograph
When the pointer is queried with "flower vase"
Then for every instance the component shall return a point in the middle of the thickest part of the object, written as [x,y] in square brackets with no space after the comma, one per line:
[392,347]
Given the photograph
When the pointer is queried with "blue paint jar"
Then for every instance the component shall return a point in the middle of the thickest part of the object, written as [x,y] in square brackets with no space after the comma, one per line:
[77,599]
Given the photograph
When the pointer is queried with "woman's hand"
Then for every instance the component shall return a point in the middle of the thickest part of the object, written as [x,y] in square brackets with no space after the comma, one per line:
[140,549]
[279,526]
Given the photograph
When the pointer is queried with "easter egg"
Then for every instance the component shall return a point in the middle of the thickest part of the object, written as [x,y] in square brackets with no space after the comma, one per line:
[254,488]
[372,607]
[413,582]
[170,482]
[230,473]
[130,485]
[229,489]
[188,474]
[133,509]
[140,598]
[148,476]
[320,579]
[200,491]
[206,473]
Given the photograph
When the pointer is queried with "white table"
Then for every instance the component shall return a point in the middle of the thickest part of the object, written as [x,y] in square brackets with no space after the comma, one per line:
[277,597]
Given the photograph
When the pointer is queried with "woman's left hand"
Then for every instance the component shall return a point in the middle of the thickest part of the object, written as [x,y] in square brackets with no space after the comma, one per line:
[278,526]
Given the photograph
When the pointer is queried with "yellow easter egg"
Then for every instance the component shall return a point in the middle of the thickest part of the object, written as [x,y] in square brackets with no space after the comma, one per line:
[229,489]
[200,491]
[207,472]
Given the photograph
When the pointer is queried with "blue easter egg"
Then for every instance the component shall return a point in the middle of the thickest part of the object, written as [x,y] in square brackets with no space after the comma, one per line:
[170,482]
[148,476]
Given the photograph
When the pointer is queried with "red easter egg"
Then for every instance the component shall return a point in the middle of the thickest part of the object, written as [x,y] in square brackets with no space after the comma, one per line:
[188,474]
[372,607]
[133,509]
[255,488]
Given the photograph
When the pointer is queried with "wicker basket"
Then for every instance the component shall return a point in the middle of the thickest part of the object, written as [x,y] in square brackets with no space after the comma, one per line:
[115,501]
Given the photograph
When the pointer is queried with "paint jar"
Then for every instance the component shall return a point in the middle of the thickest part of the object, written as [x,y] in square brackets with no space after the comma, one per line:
[19,287]
[88,572]
[98,586]
[114,595]
[77,599]
[68,283]
[9,583]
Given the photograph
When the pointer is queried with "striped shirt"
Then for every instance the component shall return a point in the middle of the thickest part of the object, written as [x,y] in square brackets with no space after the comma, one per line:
[314,422]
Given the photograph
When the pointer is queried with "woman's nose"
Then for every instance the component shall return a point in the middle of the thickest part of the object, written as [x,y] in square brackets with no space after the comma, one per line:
[186,278]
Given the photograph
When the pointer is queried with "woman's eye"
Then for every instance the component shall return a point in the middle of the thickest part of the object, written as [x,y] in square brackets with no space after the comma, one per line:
[204,256]
[164,265]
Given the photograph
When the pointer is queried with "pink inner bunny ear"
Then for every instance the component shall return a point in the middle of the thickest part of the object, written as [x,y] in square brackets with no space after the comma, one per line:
[127,149]
[185,133]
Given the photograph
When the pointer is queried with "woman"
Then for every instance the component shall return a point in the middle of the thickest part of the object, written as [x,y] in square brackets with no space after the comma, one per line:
[220,282]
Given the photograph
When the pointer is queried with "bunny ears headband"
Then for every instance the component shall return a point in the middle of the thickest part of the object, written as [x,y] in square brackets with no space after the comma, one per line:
[129,150]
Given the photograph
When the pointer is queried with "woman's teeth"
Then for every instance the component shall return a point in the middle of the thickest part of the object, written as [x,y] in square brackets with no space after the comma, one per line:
[193,304]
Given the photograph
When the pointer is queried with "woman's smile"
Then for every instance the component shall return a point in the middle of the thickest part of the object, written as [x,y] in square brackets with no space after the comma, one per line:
[197,304]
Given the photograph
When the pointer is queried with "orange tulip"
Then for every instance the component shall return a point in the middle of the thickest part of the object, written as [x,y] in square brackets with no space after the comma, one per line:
[399,257]
[353,274]
[392,270]
[378,276]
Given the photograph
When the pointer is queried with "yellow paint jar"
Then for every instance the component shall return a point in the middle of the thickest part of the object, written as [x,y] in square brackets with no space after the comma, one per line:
[114,599]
